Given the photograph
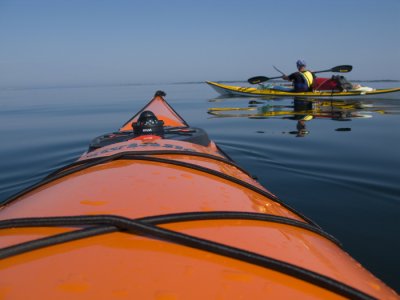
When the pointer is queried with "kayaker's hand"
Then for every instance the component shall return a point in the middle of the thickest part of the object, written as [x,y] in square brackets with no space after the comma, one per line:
[285,77]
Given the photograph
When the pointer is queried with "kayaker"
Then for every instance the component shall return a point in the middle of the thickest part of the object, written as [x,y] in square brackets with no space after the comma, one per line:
[303,79]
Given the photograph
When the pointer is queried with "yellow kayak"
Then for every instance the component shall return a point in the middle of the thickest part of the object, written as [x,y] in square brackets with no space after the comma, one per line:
[232,90]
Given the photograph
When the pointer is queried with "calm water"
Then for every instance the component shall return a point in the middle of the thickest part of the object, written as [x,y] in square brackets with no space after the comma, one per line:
[344,174]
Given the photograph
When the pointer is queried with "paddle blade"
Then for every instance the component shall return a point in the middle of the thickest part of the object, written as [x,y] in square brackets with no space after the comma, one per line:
[257,79]
[342,69]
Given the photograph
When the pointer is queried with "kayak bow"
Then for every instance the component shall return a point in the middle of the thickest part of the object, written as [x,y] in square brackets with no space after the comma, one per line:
[157,210]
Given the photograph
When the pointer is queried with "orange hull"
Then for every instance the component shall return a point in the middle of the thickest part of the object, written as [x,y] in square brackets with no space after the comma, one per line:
[158,218]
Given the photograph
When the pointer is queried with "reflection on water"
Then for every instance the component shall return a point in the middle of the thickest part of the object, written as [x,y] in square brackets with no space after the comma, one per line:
[304,110]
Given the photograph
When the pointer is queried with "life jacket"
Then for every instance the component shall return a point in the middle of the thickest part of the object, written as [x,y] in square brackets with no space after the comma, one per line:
[308,78]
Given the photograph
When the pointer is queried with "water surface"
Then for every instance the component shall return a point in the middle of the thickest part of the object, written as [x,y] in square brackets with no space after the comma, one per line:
[343,172]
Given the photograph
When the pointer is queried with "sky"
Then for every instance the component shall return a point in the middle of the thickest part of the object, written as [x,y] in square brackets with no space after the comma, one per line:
[88,42]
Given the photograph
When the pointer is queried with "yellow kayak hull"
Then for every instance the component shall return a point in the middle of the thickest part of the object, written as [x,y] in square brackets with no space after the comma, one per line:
[232,90]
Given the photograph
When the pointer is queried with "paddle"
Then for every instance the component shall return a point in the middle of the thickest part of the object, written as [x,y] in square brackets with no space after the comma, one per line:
[283,74]
[337,69]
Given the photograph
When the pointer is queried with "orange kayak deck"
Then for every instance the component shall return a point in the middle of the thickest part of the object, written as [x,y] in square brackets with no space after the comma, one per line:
[155,218]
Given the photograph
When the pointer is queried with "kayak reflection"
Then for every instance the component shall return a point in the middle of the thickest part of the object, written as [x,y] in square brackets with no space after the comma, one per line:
[299,110]
[318,109]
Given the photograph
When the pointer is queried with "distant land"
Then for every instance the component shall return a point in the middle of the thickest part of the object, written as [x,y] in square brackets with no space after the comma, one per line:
[71,86]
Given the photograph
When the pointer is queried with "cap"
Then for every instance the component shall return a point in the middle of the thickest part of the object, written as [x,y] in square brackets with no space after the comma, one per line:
[300,63]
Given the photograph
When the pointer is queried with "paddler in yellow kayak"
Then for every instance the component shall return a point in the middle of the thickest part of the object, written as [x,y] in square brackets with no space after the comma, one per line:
[303,79]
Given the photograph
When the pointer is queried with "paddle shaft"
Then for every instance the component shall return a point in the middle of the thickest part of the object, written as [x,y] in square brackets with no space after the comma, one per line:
[283,74]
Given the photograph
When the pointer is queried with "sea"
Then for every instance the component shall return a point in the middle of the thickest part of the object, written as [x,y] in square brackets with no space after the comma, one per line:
[337,162]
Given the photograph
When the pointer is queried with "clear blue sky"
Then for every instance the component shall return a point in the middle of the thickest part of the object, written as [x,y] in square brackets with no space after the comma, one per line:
[64,42]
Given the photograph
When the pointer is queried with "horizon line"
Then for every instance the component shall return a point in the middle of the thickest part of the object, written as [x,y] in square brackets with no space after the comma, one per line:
[56,86]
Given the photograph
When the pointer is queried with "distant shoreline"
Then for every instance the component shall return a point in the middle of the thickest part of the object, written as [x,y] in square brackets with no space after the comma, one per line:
[73,86]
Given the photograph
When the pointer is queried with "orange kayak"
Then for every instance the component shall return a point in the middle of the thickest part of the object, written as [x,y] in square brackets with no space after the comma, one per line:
[156,210]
